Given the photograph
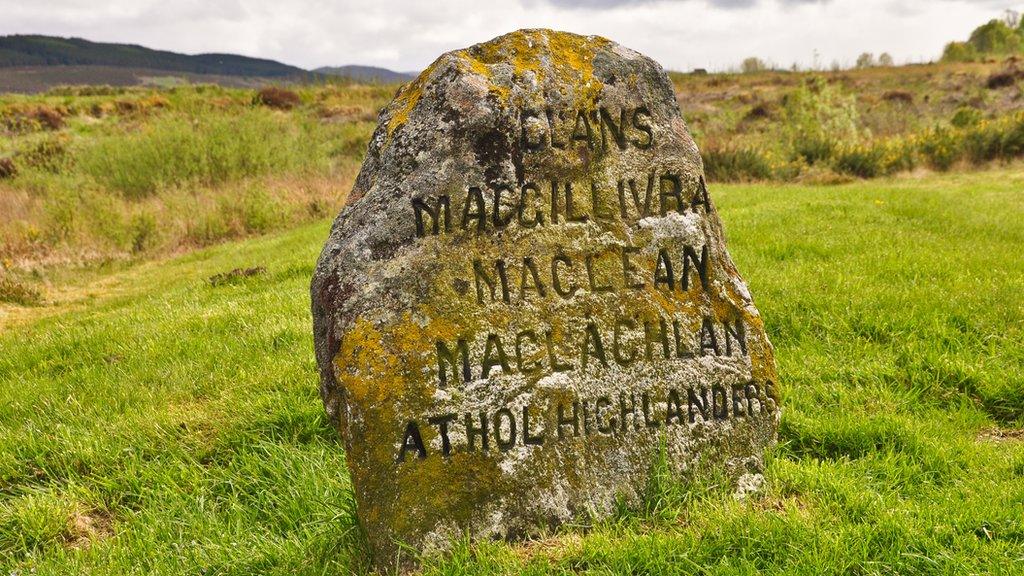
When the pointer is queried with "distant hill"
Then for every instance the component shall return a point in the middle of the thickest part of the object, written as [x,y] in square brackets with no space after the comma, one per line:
[366,73]
[24,51]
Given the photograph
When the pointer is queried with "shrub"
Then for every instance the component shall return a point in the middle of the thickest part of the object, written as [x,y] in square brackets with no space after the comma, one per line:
[959,52]
[7,168]
[885,59]
[940,147]
[735,165]
[48,118]
[1001,80]
[818,119]
[863,162]
[866,60]
[898,154]
[1002,139]
[752,65]
[50,154]
[278,98]
[966,116]
[758,112]
[898,97]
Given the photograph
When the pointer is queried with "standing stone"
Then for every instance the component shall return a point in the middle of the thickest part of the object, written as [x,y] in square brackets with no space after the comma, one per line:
[527,300]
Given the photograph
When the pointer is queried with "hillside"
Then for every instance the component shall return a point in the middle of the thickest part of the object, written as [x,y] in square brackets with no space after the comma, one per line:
[365,73]
[51,51]
[32,64]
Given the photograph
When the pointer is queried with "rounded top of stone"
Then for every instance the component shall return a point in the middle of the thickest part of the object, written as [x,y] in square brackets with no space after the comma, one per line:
[524,67]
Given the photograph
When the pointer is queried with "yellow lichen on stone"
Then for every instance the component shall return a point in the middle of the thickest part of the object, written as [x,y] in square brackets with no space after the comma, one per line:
[563,58]
[408,97]
[568,58]
[363,366]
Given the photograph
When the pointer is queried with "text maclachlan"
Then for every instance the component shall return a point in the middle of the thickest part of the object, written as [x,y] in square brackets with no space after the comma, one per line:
[531,351]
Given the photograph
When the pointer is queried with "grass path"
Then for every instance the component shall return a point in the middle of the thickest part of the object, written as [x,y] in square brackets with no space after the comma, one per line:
[166,426]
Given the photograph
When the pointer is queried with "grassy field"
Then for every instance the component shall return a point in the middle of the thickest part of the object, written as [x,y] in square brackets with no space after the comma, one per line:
[96,175]
[155,422]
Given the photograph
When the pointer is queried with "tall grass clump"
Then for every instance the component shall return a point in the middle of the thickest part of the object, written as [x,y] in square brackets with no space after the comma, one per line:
[735,164]
[176,150]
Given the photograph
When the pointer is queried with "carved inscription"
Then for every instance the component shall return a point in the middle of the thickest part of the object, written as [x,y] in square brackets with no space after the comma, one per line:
[552,201]
[543,202]
[610,415]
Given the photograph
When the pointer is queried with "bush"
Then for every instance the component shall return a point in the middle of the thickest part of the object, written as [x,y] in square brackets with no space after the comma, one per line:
[959,52]
[966,116]
[898,97]
[7,168]
[752,65]
[278,98]
[735,165]
[50,155]
[997,140]
[866,60]
[940,148]
[819,119]
[863,162]
[1001,80]
[48,118]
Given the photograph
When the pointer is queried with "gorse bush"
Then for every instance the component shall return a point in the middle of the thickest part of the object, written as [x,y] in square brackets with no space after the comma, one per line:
[940,147]
[178,150]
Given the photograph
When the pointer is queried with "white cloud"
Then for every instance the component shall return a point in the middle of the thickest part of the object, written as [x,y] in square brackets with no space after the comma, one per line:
[407,34]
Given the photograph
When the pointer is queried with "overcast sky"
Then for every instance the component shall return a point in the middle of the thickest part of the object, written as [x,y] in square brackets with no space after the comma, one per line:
[409,34]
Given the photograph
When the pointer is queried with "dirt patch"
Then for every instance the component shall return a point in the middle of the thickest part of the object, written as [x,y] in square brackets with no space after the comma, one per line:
[86,527]
[235,275]
[1001,435]
[553,548]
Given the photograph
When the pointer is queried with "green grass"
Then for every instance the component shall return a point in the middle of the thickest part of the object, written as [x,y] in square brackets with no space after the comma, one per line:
[156,424]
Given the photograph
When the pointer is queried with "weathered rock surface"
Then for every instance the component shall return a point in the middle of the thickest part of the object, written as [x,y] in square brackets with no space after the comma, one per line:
[528,298]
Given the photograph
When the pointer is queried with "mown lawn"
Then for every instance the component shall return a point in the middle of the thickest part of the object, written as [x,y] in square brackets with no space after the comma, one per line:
[156,424]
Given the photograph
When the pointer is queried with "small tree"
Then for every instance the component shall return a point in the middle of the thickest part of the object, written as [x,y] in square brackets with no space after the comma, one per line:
[885,59]
[753,64]
[995,37]
[1012,18]
[819,119]
[866,60]
[959,52]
